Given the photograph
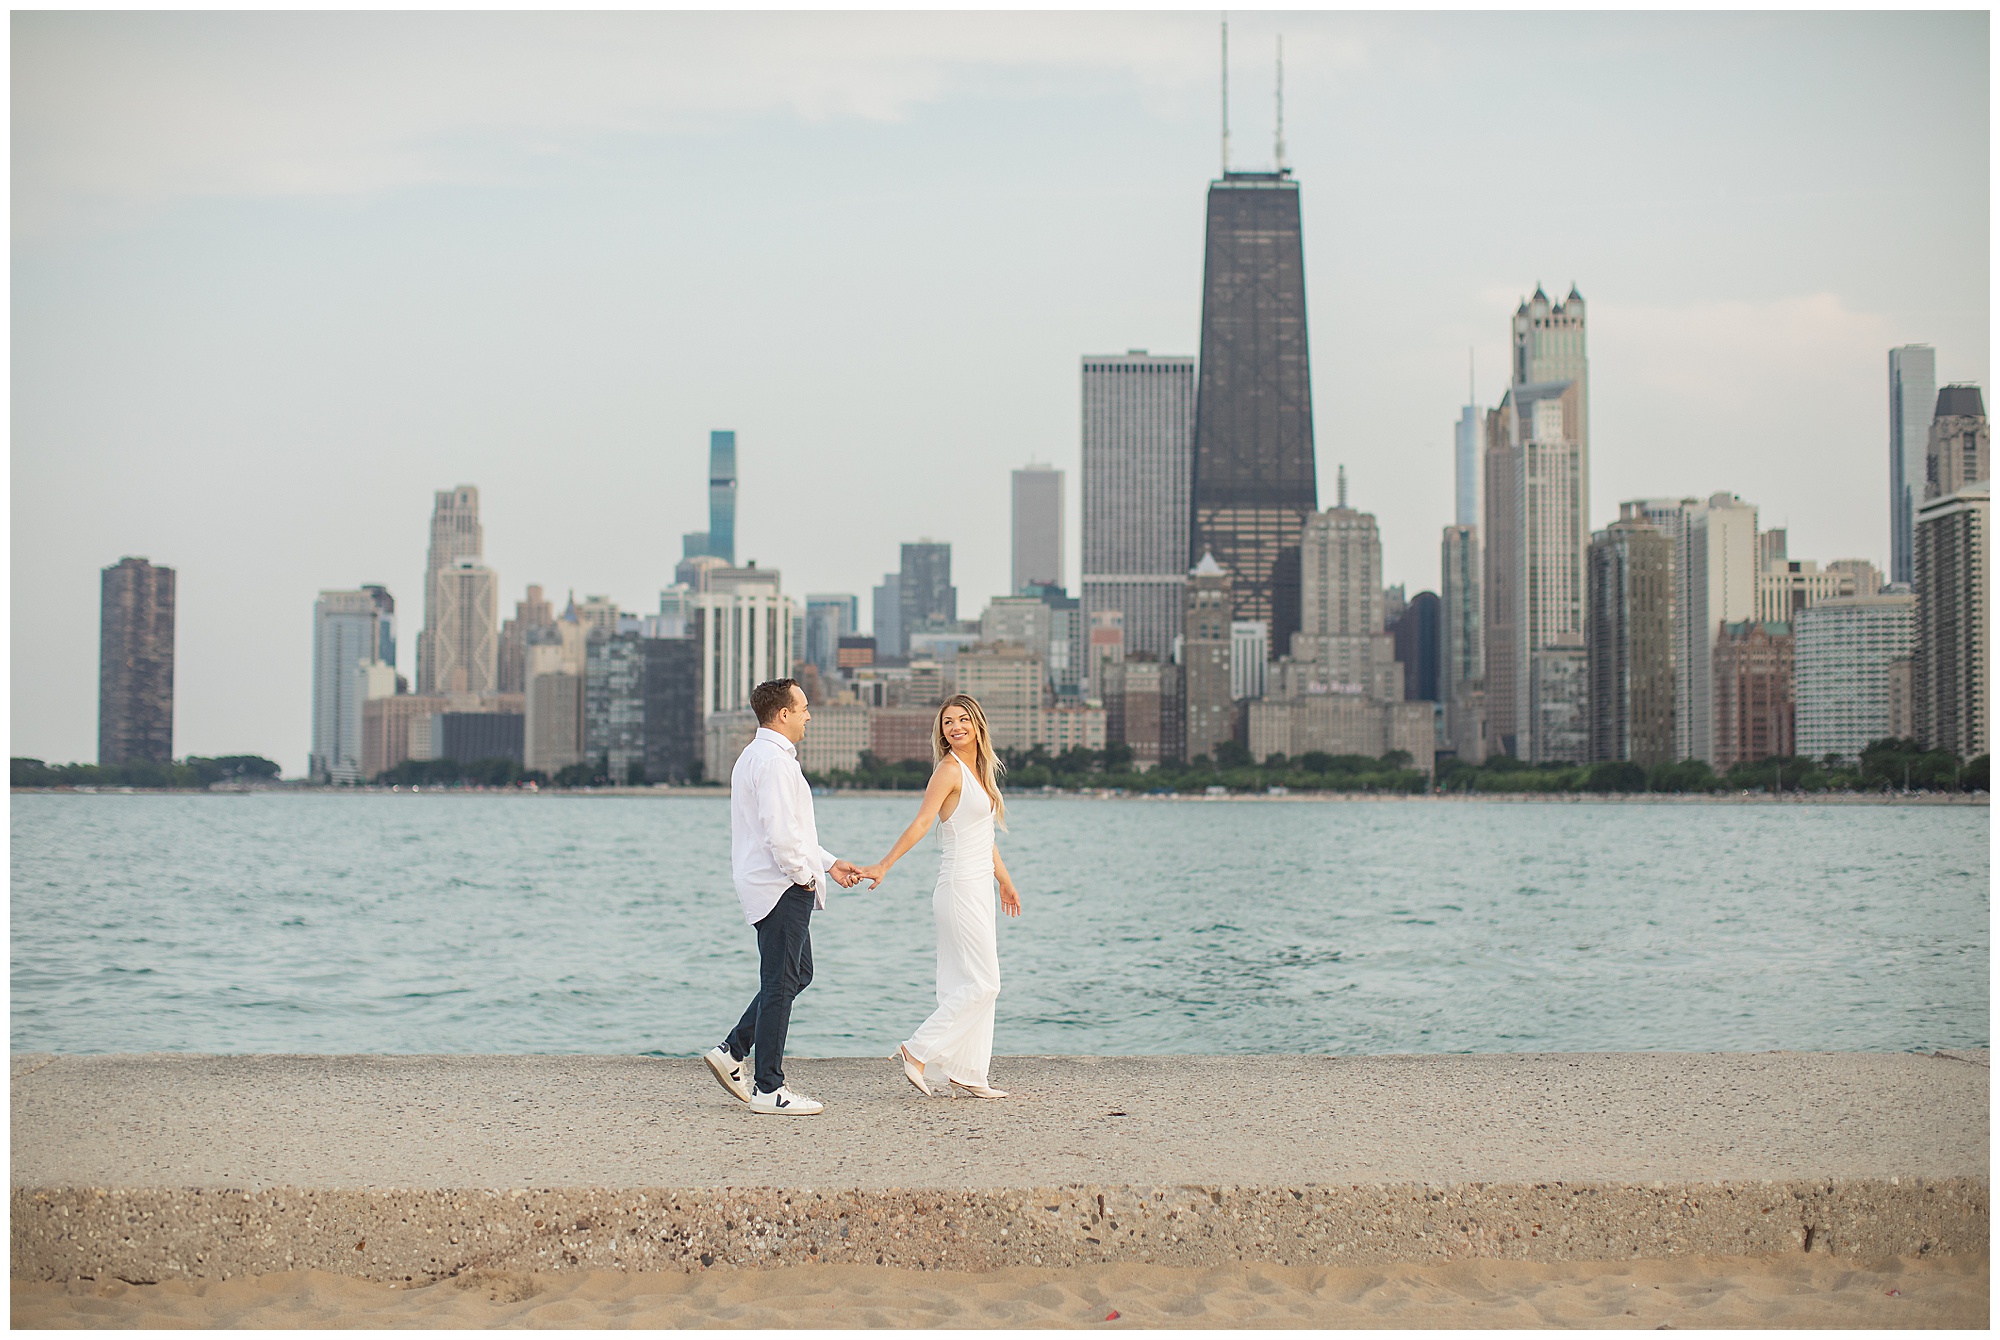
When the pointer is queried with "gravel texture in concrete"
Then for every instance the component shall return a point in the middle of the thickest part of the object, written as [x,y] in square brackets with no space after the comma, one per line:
[415,1167]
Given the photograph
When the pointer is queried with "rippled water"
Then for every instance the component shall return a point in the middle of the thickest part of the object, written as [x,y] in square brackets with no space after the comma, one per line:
[454,923]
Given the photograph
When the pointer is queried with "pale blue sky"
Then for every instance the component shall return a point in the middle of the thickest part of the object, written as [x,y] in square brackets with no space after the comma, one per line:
[278,277]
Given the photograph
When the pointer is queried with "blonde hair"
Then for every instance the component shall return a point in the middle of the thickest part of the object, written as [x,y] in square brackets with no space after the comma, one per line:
[986,766]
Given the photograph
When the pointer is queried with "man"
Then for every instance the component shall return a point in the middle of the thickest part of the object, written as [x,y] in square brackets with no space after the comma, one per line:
[781,875]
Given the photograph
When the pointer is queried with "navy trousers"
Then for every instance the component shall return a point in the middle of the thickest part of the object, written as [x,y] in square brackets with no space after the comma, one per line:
[785,962]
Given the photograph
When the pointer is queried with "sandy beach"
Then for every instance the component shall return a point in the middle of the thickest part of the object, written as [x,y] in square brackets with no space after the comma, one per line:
[1768,1291]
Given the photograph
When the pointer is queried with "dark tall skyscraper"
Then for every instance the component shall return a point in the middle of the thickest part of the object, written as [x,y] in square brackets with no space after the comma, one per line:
[1416,634]
[1254,482]
[135,664]
[925,592]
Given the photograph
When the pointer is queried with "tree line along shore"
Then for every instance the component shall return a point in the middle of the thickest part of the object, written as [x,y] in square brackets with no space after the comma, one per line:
[1884,766]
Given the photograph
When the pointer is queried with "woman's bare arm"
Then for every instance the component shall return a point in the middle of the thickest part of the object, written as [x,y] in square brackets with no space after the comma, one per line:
[944,782]
[1010,898]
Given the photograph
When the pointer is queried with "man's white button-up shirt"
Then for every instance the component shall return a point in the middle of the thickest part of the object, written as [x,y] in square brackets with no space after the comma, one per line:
[772,836]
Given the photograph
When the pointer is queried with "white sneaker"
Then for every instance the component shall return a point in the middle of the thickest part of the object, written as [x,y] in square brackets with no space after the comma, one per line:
[730,1073]
[784,1103]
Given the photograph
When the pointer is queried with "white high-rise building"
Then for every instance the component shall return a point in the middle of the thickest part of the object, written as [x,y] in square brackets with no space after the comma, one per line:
[746,638]
[1841,652]
[455,534]
[1138,464]
[1038,528]
[1788,585]
[463,636]
[1912,401]
[348,628]
[1536,548]
[1715,582]
[1249,658]
[1535,521]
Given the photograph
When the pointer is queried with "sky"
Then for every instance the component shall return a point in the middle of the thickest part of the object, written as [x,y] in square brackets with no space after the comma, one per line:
[277,278]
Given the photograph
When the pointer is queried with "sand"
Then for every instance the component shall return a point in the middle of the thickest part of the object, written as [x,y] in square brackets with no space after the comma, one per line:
[1763,1291]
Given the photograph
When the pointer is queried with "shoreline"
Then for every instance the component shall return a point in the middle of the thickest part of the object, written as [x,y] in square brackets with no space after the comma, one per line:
[1974,800]
[412,1169]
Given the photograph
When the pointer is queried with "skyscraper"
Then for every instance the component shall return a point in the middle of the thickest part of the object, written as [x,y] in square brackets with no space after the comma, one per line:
[1038,528]
[1842,652]
[1344,639]
[1138,443]
[722,495]
[1254,481]
[614,706]
[1105,648]
[1715,583]
[719,540]
[1628,632]
[929,600]
[1753,693]
[1912,400]
[1462,643]
[1066,638]
[1465,468]
[1416,634]
[1537,489]
[385,626]
[1958,450]
[464,634]
[1788,585]
[135,664]
[348,670]
[1209,710]
[745,635]
[829,617]
[890,641]
[1954,586]
[1249,658]
[455,534]
[511,674]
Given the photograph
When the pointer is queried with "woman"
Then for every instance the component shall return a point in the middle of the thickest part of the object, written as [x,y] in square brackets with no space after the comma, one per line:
[965,794]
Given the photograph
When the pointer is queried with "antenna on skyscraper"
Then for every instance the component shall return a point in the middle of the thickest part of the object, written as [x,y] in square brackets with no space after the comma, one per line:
[1225,95]
[1342,477]
[1280,151]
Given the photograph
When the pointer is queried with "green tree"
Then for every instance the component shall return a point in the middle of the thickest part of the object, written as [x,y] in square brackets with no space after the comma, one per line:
[1619,775]
[1685,775]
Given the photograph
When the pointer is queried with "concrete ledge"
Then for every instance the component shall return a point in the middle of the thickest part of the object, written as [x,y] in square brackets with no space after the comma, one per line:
[415,1168]
[148,1235]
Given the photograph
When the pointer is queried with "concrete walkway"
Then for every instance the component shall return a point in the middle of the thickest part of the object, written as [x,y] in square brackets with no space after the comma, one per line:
[119,1161]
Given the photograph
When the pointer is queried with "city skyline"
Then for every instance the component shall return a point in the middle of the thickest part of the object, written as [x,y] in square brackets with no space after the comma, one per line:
[1758,292]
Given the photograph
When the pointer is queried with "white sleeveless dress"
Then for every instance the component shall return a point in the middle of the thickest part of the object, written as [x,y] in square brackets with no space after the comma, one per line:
[958,1037]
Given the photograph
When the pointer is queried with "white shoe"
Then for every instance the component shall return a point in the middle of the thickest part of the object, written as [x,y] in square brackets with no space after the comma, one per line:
[913,1070]
[784,1103]
[978,1090]
[730,1073]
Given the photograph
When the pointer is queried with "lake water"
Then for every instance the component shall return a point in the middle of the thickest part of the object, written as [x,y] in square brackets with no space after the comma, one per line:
[496,923]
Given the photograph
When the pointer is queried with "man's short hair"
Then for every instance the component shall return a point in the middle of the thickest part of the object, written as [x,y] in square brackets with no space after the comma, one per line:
[770,698]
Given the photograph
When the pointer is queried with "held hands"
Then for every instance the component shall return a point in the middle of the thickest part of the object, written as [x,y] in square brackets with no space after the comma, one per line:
[845,874]
[874,874]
